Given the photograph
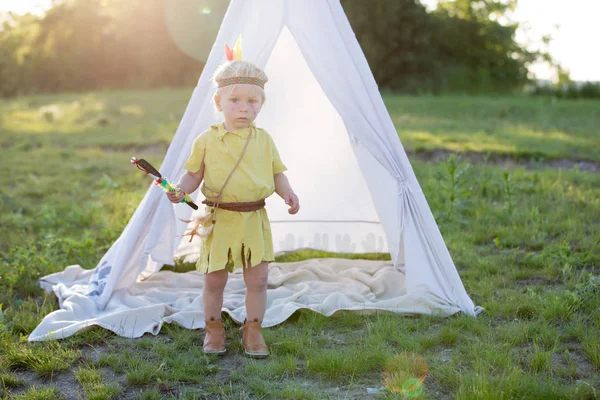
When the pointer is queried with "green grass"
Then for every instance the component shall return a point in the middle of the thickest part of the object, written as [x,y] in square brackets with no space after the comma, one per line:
[44,360]
[526,242]
[90,380]
[540,128]
[40,393]
[10,380]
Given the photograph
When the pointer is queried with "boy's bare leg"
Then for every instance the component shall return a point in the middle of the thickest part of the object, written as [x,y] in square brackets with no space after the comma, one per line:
[256,291]
[212,295]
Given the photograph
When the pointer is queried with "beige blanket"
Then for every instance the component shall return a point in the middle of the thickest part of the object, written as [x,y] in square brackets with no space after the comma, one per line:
[322,285]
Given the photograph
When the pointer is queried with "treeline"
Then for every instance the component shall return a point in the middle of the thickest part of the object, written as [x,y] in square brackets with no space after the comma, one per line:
[458,47]
[92,44]
[570,90]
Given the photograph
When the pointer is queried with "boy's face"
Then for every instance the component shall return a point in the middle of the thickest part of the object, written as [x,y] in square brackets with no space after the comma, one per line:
[240,107]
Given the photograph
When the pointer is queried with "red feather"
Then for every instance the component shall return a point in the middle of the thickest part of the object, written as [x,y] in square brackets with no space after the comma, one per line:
[228,53]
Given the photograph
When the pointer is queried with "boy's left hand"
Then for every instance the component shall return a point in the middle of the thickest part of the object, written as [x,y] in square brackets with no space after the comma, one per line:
[291,200]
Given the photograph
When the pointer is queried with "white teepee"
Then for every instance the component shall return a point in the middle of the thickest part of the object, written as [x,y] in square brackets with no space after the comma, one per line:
[357,189]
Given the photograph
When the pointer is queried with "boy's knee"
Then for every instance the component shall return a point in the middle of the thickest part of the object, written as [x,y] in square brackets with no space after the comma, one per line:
[256,285]
[256,280]
[215,280]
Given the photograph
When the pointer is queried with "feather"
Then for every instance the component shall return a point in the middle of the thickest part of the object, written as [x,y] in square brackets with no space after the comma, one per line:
[199,228]
[228,53]
[237,49]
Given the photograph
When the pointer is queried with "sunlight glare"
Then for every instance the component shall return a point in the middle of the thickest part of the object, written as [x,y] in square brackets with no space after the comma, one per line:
[25,6]
[572,41]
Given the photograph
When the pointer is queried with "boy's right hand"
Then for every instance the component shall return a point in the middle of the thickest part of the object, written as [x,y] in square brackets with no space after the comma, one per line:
[175,198]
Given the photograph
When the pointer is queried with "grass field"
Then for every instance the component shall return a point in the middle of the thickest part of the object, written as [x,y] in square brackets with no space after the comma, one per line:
[525,239]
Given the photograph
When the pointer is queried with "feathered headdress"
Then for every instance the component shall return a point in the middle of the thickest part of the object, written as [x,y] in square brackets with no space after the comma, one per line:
[236,54]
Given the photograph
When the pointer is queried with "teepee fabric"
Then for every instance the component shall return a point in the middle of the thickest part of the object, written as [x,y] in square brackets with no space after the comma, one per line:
[357,189]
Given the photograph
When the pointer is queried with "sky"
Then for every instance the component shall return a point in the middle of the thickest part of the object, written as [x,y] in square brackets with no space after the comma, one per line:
[574,43]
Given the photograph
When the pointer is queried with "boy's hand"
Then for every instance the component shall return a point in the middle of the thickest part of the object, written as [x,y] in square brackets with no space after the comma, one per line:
[175,198]
[291,200]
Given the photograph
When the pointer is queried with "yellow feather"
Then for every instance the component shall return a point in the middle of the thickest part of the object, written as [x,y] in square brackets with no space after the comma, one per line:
[237,50]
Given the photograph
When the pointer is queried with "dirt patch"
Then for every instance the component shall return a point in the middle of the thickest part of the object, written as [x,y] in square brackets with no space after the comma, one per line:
[585,368]
[504,160]
[228,363]
[65,383]
[536,280]
[156,148]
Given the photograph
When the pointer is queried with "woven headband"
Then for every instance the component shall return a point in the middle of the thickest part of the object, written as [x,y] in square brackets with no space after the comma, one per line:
[237,80]
[234,55]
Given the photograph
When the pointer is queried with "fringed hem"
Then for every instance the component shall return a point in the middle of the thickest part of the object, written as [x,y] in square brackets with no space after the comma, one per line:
[238,240]
[231,263]
[242,258]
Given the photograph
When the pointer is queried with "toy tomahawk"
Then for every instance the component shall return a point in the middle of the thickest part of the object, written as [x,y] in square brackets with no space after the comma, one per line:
[161,181]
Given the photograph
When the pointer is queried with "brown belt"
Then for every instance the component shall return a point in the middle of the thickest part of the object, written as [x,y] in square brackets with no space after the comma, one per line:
[238,206]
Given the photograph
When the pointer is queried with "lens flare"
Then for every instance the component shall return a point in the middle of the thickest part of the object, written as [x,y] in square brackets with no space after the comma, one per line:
[193,24]
[406,374]
[412,387]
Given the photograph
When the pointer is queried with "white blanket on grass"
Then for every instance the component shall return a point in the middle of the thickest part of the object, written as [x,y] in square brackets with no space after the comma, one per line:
[322,285]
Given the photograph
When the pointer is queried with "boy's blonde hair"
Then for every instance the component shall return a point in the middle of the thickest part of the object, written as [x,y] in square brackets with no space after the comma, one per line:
[238,68]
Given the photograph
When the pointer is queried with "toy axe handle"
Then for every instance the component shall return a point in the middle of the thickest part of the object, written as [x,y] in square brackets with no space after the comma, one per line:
[149,169]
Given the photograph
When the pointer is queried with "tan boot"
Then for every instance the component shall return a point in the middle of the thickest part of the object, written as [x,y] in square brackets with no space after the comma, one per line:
[214,337]
[253,341]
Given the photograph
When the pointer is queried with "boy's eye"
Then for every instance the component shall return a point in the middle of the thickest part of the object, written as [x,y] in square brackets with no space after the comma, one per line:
[253,101]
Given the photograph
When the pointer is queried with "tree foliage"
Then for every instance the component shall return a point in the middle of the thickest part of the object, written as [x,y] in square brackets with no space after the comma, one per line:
[91,44]
[461,46]
[88,44]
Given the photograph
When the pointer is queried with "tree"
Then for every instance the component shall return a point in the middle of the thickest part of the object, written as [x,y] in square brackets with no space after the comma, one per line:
[400,46]
[464,45]
[482,11]
[89,44]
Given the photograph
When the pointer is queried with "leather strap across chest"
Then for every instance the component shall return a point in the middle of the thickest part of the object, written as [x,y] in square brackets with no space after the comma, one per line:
[238,206]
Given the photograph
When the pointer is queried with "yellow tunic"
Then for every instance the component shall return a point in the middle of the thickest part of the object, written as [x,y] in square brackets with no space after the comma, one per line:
[236,236]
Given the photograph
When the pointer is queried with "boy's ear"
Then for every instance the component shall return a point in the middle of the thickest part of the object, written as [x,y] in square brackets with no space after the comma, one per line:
[217,100]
